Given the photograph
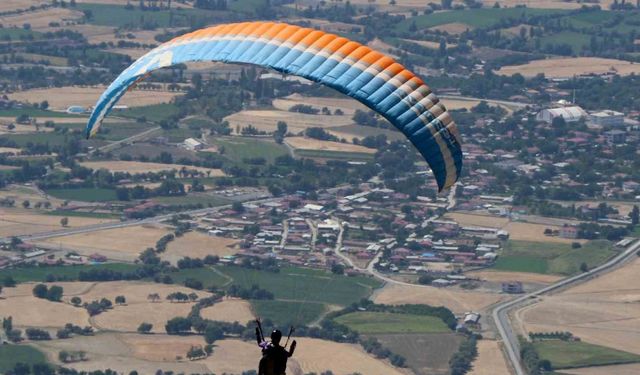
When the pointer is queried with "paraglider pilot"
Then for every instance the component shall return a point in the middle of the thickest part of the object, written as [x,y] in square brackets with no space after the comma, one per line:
[274,357]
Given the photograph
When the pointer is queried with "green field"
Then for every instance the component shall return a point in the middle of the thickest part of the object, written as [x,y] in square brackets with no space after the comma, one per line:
[118,16]
[26,274]
[154,113]
[118,131]
[53,139]
[475,18]
[238,149]
[551,258]
[207,276]
[84,194]
[203,199]
[365,322]
[337,155]
[305,285]
[572,354]
[10,355]
[246,6]
[577,41]
[286,313]
[35,112]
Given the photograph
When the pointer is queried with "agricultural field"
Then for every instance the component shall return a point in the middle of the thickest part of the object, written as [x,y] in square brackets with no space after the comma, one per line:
[134,167]
[239,149]
[40,19]
[383,323]
[287,313]
[60,98]
[39,274]
[559,259]
[490,360]
[198,245]
[426,354]
[496,276]
[349,132]
[267,120]
[119,244]
[229,310]
[571,354]
[580,310]
[457,301]
[15,222]
[568,67]
[344,103]
[631,369]
[304,143]
[84,194]
[27,311]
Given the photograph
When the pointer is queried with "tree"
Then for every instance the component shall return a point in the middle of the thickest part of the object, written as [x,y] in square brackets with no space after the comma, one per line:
[212,333]
[635,215]
[178,325]
[153,297]
[237,207]
[64,221]
[55,293]
[121,300]
[26,204]
[44,105]
[584,267]
[145,328]
[425,280]
[337,269]
[40,291]
[196,352]
[76,301]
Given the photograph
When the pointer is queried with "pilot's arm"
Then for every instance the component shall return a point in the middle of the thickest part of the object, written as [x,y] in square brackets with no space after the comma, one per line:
[293,348]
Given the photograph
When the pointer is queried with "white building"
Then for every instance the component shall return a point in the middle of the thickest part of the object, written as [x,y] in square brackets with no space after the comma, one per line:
[569,114]
[193,144]
[607,118]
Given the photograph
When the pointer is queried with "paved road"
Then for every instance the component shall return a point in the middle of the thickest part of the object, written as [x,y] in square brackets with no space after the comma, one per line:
[133,138]
[506,103]
[500,313]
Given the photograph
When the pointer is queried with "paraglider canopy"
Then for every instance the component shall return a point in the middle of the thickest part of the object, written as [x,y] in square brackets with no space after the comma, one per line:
[369,76]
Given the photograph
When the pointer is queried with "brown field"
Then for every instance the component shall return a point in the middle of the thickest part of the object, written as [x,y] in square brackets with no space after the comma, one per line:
[29,311]
[504,276]
[456,300]
[346,105]
[304,143]
[198,245]
[14,221]
[604,311]
[569,67]
[126,352]
[10,150]
[175,5]
[517,230]
[542,4]
[266,120]
[428,44]
[632,369]
[60,98]
[452,28]
[426,354]
[134,53]
[135,292]
[624,208]
[134,167]
[40,19]
[128,318]
[20,128]
[490,360]
[120,244]
[20,193]
[229,310]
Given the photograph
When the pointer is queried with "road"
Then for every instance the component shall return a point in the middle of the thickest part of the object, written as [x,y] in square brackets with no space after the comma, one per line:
[500,313]
[133,138]
[506,103]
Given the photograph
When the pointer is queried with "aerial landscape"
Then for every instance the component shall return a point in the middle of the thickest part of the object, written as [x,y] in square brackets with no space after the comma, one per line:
[181,178]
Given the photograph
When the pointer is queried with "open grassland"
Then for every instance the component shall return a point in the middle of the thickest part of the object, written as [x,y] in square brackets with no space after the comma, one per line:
[15,222]
[134,167]
[603,311]
[288,313]
[10,355]
[198,245]
[456,300]
[381,323]
[267,120]
[304,143]
[239,149]
[121,243]
[569,67]
[229,310]
[490,360]
[560,259]
[570,354]
[307,285]
[60,98]
[426,354]
[29,311]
